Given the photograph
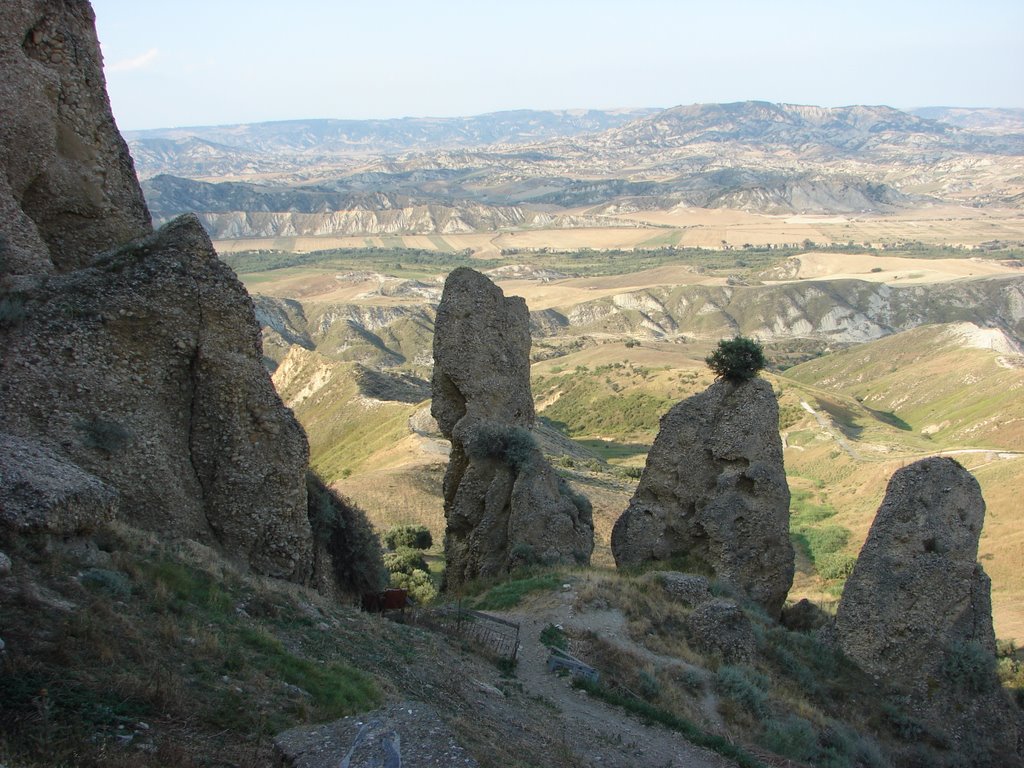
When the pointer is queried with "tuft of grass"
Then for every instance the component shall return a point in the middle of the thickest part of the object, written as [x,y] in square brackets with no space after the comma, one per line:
[502,597]
[554,637]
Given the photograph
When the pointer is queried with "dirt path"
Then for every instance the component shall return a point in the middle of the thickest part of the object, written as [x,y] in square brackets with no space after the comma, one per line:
[600,734]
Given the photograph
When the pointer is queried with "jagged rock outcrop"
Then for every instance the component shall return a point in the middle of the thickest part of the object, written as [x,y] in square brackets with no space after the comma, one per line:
[714,495]
[917,612]
[144,371]
[67,185]
[504,504]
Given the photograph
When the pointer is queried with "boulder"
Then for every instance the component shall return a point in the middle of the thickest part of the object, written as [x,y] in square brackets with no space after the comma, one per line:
[407,734]
[68,189]
[916,611]
[686,588]
[504,504]
[721,627]
[42,492]
[713,494]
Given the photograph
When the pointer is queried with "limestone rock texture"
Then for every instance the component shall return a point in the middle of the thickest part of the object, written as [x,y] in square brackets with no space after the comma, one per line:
[714,494]
[504,504]
[67,183]
[917,612]
[144,371]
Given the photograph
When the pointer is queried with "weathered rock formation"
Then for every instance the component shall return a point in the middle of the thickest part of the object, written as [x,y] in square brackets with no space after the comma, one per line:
[68,188]
[714,495]
[916,611]
[505,506]
[143,370]
[130,382]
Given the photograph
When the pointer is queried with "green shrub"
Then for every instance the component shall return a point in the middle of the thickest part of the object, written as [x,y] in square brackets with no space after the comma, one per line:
[648,685]
[554,637]
[350,541]
[513,445]
[792,736]
[746,686]
[523,555]
[970,667]
[409,536]
[418,584]
[507,595]
[737,359]
[405,561]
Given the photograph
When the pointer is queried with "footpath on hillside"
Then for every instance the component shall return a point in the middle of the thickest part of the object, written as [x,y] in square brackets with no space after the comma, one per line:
[599,733]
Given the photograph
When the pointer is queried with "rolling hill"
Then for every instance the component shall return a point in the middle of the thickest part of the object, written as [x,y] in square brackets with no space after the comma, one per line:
[542,171]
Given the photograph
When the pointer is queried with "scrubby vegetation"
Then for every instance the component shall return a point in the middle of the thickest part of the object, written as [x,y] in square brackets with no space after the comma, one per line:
[498,442]
[798,696]
[410,536]
[737,359]
[153,644]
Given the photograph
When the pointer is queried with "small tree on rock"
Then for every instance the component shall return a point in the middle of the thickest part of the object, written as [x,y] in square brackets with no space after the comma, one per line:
[737,359]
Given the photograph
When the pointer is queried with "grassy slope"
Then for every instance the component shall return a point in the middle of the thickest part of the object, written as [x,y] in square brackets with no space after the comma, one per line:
[345,427]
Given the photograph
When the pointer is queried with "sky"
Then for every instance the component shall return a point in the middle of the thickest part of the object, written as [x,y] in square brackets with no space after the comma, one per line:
[216,62]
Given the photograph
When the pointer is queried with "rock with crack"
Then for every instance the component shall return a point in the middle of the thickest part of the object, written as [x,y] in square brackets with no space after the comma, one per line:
[713,494]
[917,612]
[67,184]
[504,504]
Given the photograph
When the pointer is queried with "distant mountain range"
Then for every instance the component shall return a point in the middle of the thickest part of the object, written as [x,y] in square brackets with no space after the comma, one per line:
[530,168]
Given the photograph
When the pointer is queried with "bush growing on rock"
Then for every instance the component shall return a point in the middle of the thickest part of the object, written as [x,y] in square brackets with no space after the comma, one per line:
[513,445]
[409,536]
[737,359]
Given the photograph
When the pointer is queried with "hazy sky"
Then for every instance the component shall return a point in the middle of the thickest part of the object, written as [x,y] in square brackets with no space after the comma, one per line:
[192,62]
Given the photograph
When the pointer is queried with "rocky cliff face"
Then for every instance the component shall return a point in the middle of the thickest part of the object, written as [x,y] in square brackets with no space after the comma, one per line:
[504,504]
[917,611]
[68,189]
[713,493]
[131,379]
[144,371]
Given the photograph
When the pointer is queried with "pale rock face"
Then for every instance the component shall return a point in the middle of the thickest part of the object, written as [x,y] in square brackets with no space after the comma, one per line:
[917,609]
[67,184]
[504,505]
[714,492]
